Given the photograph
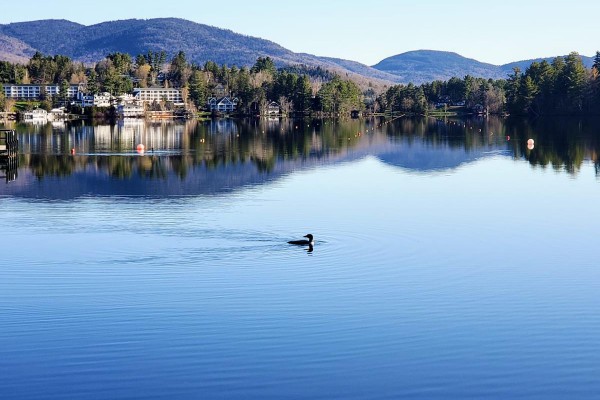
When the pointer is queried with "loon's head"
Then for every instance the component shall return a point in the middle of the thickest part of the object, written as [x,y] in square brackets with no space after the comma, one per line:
[309,237]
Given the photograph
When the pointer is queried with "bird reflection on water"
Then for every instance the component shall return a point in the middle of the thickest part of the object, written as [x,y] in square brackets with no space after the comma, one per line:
[309,241]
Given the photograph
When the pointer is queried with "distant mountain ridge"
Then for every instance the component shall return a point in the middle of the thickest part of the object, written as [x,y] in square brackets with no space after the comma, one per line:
[14,50]
[201,43]
[428,65]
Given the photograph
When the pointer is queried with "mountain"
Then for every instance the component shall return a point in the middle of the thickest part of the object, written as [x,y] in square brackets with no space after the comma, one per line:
[422,66]
[48,36]
[522,65]
[428,65]
[200,42]
[361,69]
[19,41]
[14,50]
[133,36]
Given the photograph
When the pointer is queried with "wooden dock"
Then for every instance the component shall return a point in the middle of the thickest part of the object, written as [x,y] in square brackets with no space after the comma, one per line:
[9,151]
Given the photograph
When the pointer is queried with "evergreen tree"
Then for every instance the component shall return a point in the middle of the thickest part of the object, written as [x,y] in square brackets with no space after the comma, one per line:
[6,72]
[35,68]
[243,88]
[471,90]
[339,96]
[212,67]
[121,62]
[140,60]
[456,90]
[597,61]
[63,93]
[560,84]
[179,70]
[544,100]
[513,87]
[63,67]
[198,92]
[265,64]
[92,83]
[575,77]
[528,91]
[223,75]
[302,95]
[156,61]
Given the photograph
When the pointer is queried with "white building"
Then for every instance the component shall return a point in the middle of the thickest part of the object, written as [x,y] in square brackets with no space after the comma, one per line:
[130,110]
[36,91]
[57,114]
[36,115]
[126,98]
[150,95]
[95,100]
[273,108]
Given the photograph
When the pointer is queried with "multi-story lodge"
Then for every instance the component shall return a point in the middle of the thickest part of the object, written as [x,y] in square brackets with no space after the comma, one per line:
[150,95]
[29,91]
[146,95]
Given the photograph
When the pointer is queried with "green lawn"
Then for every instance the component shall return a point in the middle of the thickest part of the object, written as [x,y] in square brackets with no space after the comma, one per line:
[22,105]
[448,112]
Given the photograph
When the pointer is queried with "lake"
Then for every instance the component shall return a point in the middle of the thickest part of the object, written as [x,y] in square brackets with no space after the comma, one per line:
[451,260]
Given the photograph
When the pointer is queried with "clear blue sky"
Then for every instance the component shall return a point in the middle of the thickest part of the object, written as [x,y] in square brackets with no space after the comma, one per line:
[367,31]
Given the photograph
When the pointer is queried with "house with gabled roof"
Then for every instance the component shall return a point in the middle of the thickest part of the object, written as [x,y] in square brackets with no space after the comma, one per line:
[273,108]
[224,104]
[219,90]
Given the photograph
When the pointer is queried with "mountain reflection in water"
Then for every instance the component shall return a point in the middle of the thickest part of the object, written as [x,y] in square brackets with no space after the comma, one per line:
[194,157]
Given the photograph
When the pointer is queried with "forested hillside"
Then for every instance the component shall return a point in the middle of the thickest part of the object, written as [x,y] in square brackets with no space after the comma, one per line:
[201,43]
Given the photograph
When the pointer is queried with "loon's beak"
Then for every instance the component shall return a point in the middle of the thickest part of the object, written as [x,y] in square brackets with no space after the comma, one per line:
[305,236]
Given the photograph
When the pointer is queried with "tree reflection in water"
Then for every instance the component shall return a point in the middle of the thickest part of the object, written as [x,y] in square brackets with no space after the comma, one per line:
[178,147]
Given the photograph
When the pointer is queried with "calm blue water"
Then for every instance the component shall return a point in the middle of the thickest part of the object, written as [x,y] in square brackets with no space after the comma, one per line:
[447,264]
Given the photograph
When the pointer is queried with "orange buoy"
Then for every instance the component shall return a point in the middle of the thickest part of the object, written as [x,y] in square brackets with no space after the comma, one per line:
[73,151]
[530,144]
[140,148]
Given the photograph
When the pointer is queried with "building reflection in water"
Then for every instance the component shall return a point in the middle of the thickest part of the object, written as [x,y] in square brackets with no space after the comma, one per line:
[277,146]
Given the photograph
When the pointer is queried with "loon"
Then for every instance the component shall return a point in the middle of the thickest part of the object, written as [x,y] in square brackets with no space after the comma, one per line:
[308,242]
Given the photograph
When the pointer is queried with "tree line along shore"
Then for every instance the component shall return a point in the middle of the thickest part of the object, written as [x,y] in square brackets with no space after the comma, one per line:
[561,87]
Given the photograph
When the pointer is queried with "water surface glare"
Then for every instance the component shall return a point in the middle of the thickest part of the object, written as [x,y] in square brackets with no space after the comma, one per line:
[446,265]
